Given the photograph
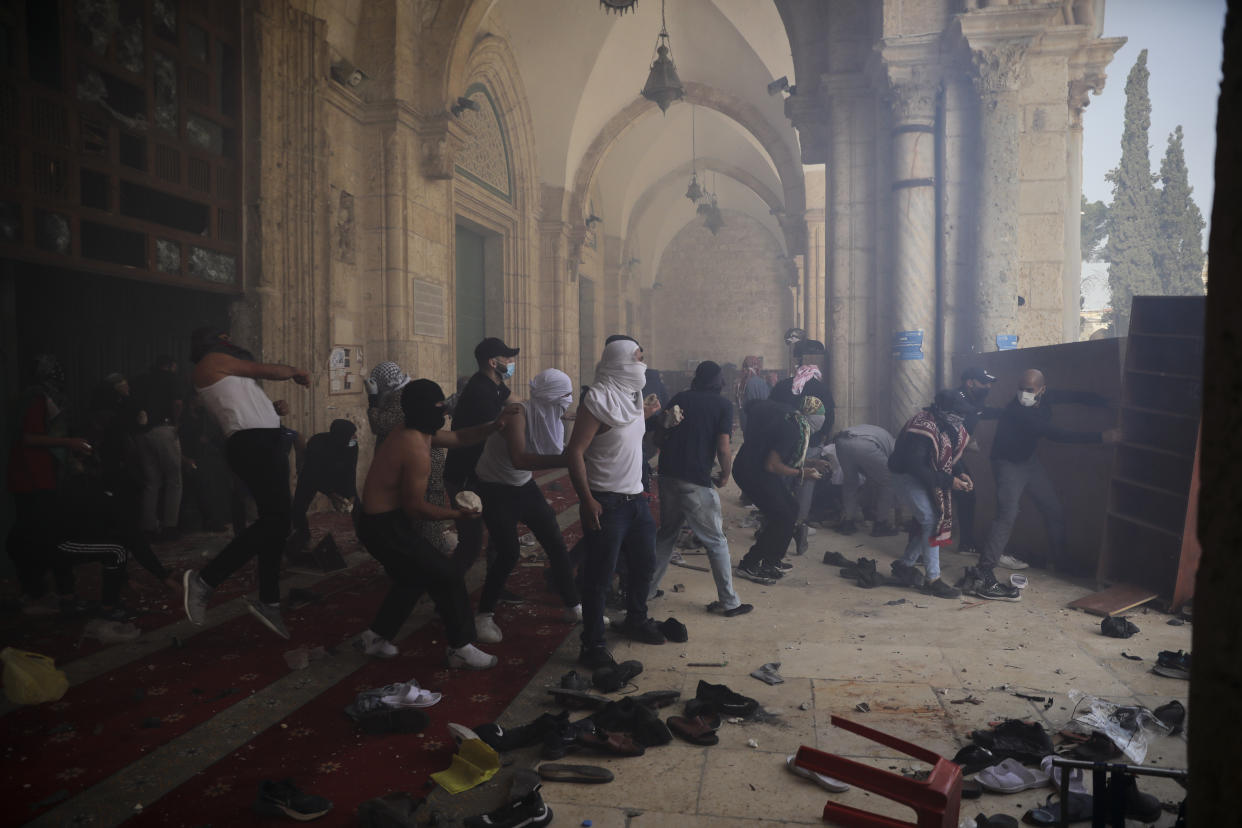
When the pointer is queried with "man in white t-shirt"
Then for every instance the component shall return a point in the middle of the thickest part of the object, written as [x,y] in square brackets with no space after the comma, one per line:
[605,458]
[224,376]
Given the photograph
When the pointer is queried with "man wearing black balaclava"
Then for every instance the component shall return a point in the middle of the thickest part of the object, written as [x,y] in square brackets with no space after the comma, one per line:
[329,465]
[394,501]
[224,376]
[976,383]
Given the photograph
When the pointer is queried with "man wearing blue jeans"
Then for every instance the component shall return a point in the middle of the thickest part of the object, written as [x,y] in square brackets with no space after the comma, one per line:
[923,475]
[697,428]
[605,459]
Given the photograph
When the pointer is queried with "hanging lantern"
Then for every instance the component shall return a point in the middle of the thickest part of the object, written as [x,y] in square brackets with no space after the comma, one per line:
[714,220]
[663,86]
[618,6]
[694,192]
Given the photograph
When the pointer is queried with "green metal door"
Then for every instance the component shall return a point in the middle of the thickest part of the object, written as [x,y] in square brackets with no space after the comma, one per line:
[470,299]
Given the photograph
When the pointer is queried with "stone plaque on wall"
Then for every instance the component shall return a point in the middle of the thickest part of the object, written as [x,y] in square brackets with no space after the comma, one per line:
[430,309]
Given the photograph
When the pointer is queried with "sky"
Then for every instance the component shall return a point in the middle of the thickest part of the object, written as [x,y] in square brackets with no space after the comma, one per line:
[1183,43]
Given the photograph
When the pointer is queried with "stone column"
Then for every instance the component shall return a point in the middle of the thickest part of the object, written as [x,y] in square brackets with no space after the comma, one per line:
[913,240]
[996,73]
[1072,285]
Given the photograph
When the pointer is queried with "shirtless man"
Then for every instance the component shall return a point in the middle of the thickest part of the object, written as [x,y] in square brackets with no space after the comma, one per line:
[394,501]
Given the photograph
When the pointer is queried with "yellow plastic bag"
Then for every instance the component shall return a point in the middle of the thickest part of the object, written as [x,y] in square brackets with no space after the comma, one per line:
[31,678]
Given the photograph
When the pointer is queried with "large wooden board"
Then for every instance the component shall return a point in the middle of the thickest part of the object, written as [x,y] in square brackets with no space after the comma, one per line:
[1114,600]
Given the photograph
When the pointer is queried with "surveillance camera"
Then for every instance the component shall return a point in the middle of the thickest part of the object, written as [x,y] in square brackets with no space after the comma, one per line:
[462,105]
[346,74]
[781,84]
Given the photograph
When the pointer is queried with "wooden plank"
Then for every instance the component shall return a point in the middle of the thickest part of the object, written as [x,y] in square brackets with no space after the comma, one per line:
[1114,600]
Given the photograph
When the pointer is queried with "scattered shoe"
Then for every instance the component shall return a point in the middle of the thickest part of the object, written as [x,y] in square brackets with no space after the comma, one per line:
[847,527]
[196,594]
[373,645]
[527,812]
[740,609]
[1026,742]
[1139,805]
[573,681]
[470,657]
[752,572]
[596,657]
[673,630]
[939,589]
[502,739]
[1076,784]
[1116,626]
[1077,808]
[994,591]
[411,695]
[611,679]
[644,632]
[769,570]
[883,529]
[1010,776]
[783,566]
[908,576]
[572,615]
[630,717]
[833,558]
[284,799]
[769,673]
[724,701]
[973,759]
[1173,715]
[584,774]
[269,614]
[1010,562]
[657,698]
[1172,664]
[485,629]
[825,782]
[697,730]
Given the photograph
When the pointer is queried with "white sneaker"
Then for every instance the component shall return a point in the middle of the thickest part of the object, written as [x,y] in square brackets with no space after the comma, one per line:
[1010,562]
[374,645]
[485,629]
[810,531]
[572,615]
[470,657]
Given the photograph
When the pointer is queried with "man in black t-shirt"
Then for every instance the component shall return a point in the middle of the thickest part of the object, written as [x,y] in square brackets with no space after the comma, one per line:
[696,429]
[481,401]
[774,449]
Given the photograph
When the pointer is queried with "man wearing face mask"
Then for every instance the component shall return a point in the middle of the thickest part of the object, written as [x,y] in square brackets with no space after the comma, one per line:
[605,458]
[1017,470]
[329,465]
[481,401]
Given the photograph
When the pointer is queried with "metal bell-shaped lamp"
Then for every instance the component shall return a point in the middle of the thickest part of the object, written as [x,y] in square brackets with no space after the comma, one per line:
[663,86]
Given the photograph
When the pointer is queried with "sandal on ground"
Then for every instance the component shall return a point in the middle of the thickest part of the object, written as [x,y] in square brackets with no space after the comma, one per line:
[825,782]
[614,744]
[411,695]
[997,821]
[696,731]
[1011,776]
[585,774]
[577,699]
[1078,808]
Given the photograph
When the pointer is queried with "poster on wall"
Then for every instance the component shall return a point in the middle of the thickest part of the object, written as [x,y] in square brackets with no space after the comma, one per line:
[345,369]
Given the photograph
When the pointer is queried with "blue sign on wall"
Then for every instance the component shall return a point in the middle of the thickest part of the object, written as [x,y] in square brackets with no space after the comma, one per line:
[1006,342]
[908,352]
[902,338]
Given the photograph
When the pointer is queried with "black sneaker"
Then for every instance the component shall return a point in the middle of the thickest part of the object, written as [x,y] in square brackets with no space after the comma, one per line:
[507,597]
[834,558]
[908,575]
[939,589]
[596,657]
[284,799]
[769,570]
[753,572]
[528,811]
[995,591]
[784,566]
[645,632]
[847,527]
[1172,664]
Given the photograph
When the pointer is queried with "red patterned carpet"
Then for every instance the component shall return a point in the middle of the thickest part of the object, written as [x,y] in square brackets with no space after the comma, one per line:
[186,732]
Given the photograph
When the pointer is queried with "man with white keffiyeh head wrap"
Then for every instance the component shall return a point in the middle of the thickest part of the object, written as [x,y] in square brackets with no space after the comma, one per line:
[605,455]
[551,395]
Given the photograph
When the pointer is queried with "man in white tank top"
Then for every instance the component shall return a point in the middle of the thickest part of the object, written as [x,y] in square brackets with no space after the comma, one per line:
[605,458]
[224,376]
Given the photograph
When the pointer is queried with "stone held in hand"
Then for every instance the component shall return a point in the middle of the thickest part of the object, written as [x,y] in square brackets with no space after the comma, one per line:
[469,501]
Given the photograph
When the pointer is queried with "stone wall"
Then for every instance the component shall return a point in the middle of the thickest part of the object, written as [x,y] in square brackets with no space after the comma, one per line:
[721,297]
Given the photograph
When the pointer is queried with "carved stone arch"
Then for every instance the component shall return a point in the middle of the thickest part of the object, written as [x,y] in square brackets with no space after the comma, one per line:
[788,168]
[447,31]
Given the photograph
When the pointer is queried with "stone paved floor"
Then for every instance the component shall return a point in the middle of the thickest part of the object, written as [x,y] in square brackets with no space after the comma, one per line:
[840,645]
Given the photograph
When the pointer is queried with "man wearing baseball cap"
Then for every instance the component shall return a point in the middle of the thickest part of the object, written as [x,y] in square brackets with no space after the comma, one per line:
[481,401]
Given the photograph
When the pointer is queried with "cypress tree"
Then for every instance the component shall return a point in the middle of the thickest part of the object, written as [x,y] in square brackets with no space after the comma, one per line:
[1132,225]
[1179,257]
[1094,225]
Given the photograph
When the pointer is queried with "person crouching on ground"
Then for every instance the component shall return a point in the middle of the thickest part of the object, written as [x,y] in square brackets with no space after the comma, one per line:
[394,499]
[925,471]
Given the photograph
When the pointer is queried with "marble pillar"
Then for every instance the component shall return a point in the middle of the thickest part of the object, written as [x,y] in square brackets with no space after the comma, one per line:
[915,348]
[996,75]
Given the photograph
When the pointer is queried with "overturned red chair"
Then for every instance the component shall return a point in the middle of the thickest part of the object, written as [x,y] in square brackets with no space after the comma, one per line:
[936,801]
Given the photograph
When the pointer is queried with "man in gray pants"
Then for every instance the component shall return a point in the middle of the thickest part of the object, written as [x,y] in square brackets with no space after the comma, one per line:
[1023,423]
[160,395]
[866,449]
